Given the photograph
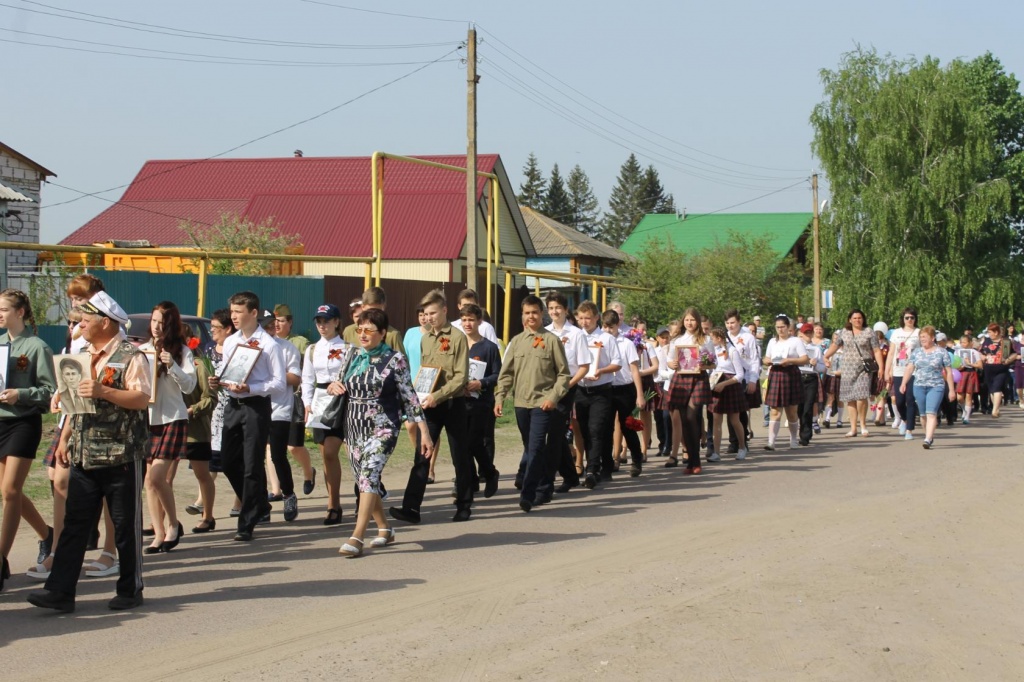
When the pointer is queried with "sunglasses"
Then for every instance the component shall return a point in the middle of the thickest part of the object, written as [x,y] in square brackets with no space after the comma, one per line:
[910,317]
[366,330]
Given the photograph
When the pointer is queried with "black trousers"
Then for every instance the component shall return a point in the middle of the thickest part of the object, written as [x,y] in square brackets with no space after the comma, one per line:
[451,417]
[280,433]
[243,449]
[561,458]
[538,430]
[594,412]
[624,399]
[480,437]
[121,487]
[663,427]
[810,397]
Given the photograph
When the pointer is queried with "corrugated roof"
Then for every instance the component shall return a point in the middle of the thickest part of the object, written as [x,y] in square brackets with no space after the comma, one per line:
[699,231]
[325,200]
[552,238]
[11,194]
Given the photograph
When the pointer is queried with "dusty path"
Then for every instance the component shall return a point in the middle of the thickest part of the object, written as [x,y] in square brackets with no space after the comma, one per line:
[855,559]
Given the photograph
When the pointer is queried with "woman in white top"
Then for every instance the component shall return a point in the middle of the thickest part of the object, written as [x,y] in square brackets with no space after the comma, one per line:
[902,343]
[321,371]
[729,396]
[689,391]
[168,421]
[783,357]
[662,416]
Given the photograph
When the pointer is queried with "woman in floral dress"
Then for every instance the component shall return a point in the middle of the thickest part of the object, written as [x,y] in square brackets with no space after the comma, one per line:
[380,393]
[859,344]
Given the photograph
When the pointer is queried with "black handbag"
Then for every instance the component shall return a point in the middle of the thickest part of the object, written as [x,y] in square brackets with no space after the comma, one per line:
[336,413]
[870,366]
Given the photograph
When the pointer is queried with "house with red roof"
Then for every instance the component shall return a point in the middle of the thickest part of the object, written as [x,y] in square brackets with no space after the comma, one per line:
[326,202]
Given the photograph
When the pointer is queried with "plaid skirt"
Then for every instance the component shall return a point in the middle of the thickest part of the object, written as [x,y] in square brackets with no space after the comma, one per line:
[832,383]
[753,399]
[821,390]
[968,383]
[50,459]
[784,387]
[687,388]
[730,400]
[167,441]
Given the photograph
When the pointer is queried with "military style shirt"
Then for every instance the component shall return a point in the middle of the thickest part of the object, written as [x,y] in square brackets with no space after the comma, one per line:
[535,369]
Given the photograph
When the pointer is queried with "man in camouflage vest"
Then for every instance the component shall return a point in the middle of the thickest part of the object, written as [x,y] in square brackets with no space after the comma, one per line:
[106,452]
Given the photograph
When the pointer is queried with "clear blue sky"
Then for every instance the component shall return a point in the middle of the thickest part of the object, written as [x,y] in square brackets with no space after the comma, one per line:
[696,81]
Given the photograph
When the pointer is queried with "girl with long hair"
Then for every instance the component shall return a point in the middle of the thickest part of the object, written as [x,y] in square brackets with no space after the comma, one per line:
[689,391]
[783,357]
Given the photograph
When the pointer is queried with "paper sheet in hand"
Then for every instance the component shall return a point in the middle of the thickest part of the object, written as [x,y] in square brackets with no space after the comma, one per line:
[321,399]
[595,360]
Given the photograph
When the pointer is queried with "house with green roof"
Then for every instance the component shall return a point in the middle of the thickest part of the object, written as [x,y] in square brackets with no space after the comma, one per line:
[786,232]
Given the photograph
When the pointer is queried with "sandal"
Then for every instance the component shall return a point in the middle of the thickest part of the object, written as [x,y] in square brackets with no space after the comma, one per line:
[351,551]
[849,434]
[383,540]
[205,526]
[864,433]
[333,517]
[194,509]
[97,569]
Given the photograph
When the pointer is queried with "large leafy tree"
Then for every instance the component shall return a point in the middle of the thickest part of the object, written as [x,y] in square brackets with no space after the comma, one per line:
[924,165]
[531,192]
[626,205]
[711,281]
[585,211]
[556,199]
[235,234]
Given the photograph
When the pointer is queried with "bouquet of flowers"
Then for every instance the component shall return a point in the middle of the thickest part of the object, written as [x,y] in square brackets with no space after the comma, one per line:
[706,357]
[636,337]
[634,423]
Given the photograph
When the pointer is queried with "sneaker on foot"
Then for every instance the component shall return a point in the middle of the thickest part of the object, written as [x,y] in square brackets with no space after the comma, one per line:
[714,457]
[291,508]
[816,428]
[794,443]
[903,429]
[908,436]
[741,454]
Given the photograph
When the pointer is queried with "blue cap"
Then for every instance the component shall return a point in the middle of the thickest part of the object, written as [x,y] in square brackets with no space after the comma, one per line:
[327,311]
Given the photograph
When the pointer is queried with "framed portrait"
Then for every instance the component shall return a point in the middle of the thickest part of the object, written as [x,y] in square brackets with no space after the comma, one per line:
[154,365]
[70,370]
[5,358]
[689,359]
[425,380]
[239,366]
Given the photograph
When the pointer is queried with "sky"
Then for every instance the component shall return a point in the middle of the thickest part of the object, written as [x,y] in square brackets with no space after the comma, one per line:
[716,96]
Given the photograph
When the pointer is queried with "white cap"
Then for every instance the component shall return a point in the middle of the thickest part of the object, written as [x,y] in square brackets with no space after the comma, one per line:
[881,327]
[939,336]
[102,304]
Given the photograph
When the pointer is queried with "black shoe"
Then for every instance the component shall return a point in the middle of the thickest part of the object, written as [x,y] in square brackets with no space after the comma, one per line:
[564,488]
[243,536]
[518,483]
[45,546]
[490,487]
[168,545]
[635,470]
[120,603]
[606,476]
[732,449]
[403,515]
[462,515]
[52,600]
[333,517]
[274,497]
[146,533]
[5,571]
[205,526]
[590,482]
[542,499]
[525,505]
[265,517]
[307,486]
[154,550]
[805,442]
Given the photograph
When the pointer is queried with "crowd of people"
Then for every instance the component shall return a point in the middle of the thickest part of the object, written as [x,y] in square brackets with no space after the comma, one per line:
[586,389]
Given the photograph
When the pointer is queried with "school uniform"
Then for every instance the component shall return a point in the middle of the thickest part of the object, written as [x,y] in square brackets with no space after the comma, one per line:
[325,360]
[731,399]
[563,461]
[750,359]
[594,407]
[784,383]
[282,403]
[480,414]
[689,393]
[811,386]
[624,398]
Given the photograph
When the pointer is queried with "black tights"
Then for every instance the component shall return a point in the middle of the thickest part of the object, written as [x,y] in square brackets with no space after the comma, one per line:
[692,421]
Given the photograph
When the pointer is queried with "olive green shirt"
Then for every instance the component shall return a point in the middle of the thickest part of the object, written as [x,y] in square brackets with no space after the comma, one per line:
[392,338]
[450,352]
[534,369]
[30,371]
[300,342]
[201,402]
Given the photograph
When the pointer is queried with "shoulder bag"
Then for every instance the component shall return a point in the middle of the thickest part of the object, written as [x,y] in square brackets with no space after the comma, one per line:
[870,366]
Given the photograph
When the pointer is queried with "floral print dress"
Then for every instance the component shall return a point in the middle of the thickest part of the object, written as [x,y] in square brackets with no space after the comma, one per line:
[378,398]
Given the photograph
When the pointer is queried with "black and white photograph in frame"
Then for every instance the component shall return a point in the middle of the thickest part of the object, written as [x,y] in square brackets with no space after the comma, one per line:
[425,380]
[70,371]
[239,365]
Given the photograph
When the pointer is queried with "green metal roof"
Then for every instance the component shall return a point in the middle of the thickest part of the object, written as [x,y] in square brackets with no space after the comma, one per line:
[700,230]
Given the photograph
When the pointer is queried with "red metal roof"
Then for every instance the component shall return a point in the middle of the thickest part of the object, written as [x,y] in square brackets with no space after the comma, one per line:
[325,200]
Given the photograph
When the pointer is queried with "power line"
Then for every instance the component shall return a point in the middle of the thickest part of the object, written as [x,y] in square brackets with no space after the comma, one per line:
[252,141]
[390,14]
[236,61]
[129,25]
[625,118]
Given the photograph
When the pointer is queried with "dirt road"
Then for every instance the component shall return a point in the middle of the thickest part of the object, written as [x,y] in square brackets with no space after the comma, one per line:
[854,559]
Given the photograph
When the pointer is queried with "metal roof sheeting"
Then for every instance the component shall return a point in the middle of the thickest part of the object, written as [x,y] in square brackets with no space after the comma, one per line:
[552,238]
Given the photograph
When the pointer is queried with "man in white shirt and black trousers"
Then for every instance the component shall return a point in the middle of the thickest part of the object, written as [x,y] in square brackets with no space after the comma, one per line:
[248,412]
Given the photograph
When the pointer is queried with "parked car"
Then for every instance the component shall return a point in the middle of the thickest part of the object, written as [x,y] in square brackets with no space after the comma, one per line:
[138,330]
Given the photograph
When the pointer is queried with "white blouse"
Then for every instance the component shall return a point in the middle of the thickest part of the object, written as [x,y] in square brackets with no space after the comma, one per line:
[727,360]
[180,379]
[320,367]
[792,347]
[627,351]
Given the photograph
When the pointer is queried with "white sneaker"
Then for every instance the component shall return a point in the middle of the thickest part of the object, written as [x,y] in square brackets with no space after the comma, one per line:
[794,443]
[741,454]
[897,422]
[908,436]
[903,429]
[714,457]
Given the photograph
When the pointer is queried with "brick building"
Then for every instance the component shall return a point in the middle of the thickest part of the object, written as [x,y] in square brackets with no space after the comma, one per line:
[21,181]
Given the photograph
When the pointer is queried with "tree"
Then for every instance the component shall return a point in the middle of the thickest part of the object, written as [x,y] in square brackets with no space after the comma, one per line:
[584,211]
[531,192]
[239,235]
[925,168]
[655,200]
[711,280]
[626,205]
[556,200]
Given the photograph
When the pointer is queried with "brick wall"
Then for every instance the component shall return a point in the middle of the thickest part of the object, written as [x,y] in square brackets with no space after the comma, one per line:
[22,177]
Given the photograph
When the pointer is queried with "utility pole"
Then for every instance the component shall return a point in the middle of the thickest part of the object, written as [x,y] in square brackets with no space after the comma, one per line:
[471,80]
[817,252]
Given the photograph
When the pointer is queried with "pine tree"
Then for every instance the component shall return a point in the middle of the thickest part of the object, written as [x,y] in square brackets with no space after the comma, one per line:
[654,198]
[531,192]
[585,211]
[556,200]
[625,207]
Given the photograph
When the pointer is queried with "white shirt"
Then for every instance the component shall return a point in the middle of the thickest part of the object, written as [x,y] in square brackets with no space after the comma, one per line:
[484,328]
[283,400]
[601,356]
[169,405]
[664,371]
[320,367]
[901,344]
[750,355]
[728,360]
[627,351]
[792,347]
[268,374]
[574,341]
